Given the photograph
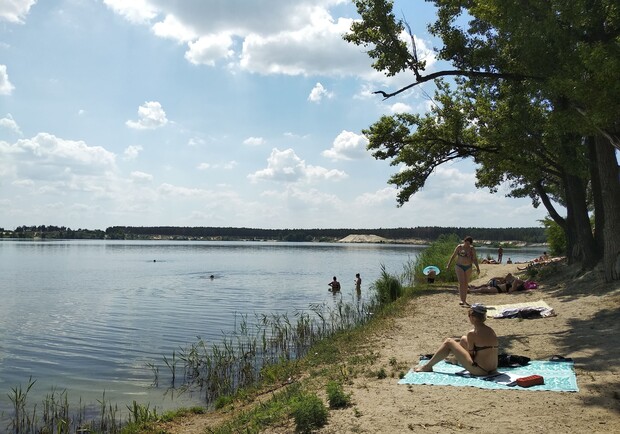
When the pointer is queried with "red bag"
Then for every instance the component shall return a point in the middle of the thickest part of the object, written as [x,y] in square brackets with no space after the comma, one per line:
[532,380]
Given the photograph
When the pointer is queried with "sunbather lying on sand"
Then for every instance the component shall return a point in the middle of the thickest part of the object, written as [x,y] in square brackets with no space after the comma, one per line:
[542,261]
[499,285]
[476,351]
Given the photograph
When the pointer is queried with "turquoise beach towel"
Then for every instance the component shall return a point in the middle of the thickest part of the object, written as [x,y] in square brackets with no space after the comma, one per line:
[559,377]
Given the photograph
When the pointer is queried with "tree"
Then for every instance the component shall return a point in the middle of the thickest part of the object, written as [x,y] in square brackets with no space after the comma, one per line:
[545,50]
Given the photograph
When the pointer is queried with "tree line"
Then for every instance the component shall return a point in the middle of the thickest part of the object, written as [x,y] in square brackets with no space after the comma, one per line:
[530,235]
[531,95]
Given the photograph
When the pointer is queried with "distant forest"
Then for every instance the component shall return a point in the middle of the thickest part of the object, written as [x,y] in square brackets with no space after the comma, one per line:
[429,233]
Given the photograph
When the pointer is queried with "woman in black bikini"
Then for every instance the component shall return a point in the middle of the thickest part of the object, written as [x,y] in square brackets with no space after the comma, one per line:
[499,285]
[476,351]
[466,256]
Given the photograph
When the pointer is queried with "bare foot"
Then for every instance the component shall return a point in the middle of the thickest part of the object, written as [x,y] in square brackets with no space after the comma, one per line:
[423,368]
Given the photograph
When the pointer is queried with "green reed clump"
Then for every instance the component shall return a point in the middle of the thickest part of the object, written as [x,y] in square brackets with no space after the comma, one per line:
[55,415]
[22,420]
[388,287]
[241,358]
[437,253]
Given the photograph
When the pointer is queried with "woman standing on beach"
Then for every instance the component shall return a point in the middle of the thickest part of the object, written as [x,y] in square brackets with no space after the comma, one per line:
[466,257]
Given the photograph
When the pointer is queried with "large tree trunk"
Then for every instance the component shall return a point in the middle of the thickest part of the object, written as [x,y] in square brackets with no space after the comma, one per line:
[581,245]
[608,175]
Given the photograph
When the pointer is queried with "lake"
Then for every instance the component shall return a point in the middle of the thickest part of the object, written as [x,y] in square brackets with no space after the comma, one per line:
[88,316]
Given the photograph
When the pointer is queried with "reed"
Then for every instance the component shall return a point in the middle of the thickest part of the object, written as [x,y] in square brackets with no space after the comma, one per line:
[56,417]
[243,358]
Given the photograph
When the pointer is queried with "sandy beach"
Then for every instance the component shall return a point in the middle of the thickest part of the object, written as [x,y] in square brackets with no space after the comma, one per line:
[586,328]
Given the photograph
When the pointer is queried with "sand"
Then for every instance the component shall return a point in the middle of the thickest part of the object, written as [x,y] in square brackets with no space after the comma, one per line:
[586,328]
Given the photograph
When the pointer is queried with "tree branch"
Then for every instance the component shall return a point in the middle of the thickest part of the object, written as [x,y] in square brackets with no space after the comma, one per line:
[424,78]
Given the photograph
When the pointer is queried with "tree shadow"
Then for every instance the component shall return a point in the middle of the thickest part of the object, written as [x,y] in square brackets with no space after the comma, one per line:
[595,342]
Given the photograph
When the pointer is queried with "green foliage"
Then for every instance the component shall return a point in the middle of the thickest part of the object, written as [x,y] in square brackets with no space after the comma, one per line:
[379,32]
[437,253]
[336,396]
[223,401]
[381,374]
[388,287]
[533,82]
[309,413]
[556,237]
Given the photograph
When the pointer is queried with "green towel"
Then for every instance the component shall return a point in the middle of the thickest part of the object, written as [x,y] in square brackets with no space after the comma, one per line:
[559,377]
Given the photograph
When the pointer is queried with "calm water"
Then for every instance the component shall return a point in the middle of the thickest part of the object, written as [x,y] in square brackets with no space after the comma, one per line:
[87,316]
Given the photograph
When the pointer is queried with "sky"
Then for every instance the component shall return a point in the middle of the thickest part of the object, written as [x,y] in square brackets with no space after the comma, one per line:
[224,113]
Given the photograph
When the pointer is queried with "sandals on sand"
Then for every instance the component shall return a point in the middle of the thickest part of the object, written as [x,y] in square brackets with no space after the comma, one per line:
[464,304]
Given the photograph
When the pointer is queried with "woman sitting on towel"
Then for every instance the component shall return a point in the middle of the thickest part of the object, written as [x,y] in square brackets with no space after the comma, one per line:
[476,351]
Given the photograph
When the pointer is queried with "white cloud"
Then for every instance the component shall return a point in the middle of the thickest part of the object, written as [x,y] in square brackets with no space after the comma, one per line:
[14,11]
[150,116]
[286,166]
[226,166]
[400,107]
[210,48]
[9,123]
[318,92]
[379,197]
[347,146]
[169,190]
[254,141]
[275,36]
[317,48]
[141,176]
[56,164]
[172,28]
[6,88]
[132,151]
[135,11]
[195,141]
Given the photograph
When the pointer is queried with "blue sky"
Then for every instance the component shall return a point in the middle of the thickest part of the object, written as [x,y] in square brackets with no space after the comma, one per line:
[211,113]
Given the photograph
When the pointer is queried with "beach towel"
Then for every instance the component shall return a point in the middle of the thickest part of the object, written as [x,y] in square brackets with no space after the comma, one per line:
[558,376]
[536,309]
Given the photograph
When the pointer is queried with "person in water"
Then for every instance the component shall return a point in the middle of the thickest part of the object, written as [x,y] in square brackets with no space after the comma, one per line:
[335,285]
[466,257]
[358,283]
[476,351]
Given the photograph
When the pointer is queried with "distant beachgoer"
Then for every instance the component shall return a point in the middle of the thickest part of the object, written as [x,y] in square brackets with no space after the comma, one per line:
[509,261]
[335,285]
[476,351]
[430,277]
[212,277]
[466,257]
[358,282]
[500,254]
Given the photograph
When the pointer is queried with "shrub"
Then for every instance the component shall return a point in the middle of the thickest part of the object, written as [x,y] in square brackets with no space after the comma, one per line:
[556,237]
[437,253]
[309,413]
[336,396]
[388,287]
